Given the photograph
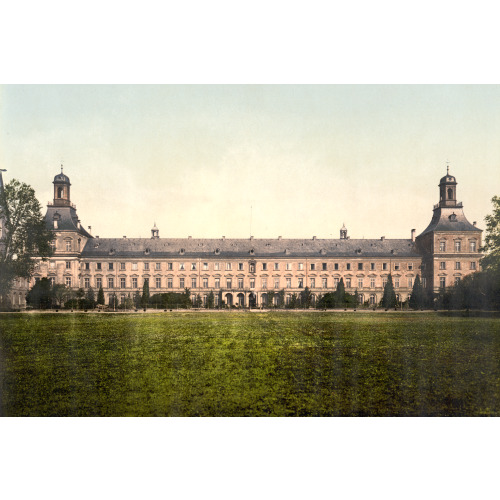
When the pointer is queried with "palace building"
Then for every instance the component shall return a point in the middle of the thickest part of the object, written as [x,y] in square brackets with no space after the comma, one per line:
[243,271]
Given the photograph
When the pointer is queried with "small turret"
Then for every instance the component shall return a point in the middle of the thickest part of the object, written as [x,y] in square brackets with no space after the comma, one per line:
[61,190]
[343,232]
[155,233]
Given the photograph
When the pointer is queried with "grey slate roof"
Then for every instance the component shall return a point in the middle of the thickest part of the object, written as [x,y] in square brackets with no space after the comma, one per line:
[246,248]
[61,178]
[68,220]
[443,220]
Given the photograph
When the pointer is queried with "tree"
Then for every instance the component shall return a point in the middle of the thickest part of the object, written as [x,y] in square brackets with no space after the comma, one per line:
[270,298]
[100,296]
[61,293]
[491,261]
[90,298]
[198,301]
[305,298]
[40,296]
[417,294]
[340,293]
[80,293]
[145,294]
[356,298]
[281,298]
[210,300]
[389,298]
[25,235]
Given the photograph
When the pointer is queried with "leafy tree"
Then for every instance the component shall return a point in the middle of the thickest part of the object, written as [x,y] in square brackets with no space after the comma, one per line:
[25,235]
[389,298]
[80,293]
[90,298]
[270,298]
[340,293]
[129,303]
[61,293]
[281,298]
[306,298]
[327,301]
[417,294]
[40,295]
[145,294]
[491,261]
[187,298]
[293,301]
[198,301]
[100,296]
[137,299]
[356,298]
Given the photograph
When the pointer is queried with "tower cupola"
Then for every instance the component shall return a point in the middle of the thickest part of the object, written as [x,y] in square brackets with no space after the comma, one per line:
[448,190]
[343,232]
[155,232]
[61,190]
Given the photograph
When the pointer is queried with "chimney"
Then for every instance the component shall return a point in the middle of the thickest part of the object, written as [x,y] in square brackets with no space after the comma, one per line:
[314,237]
[223,237]
[474,223]
[251,237]
[413,234]
[279,237]
[124,237]
[382,238]
[90,229]
[190,237]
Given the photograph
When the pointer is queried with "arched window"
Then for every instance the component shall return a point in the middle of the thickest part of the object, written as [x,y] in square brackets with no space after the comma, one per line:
[450,193]
[60,192]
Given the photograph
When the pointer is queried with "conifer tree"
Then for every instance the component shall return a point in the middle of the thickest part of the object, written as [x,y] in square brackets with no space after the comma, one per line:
[389,299]
[417,294]
[340,293]
[145,294]
[100,296]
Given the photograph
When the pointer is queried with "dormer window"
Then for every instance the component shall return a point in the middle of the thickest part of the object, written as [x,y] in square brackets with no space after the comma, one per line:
[217,251]
[453,217]
[182,251]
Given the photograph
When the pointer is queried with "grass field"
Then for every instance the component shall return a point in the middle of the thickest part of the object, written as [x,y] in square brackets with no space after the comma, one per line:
[241,364]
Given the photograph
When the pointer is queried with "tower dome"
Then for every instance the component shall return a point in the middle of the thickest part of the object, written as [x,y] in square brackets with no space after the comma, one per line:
[61,189]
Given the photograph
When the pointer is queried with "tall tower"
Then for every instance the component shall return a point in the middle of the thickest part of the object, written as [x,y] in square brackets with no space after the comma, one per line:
[61,190]
[450,244]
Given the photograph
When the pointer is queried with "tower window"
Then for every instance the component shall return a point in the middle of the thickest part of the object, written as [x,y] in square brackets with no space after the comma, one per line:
[450,194]
[60,192]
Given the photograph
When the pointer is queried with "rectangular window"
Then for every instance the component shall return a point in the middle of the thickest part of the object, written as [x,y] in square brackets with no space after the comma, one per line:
[158,282]
[336,266]
[252,267]
[158,266]
[122,266]
[348,266]
[324,282]
[410,266]
[396,283]
[98,265]
[170,282]
[98,282]
[146,266]
[181,266]
[384,266]
[252,282]
[442,282]
[473,266]
[111,282]
[240,282]
[301,266]
[372,266]
[193,266]
[289,282]
[68,280]
[170,267]
[396,267]
[276,282]
[335,283]
[372,283]
[217,282]
[348,282]
[313,267]
[384,282]
[442,265]
[472,246]
[205,282]
[240,266]
[181,283]
[301,282]
[86,282]
[442,246]
[52,264]
[323,266]
[360,266]
[87,266]
[205,266]
[264,266]
[360,282]
[229,283]
[288,266]
[313,282]
[68,264]
[264,283]
[216,266]
[134,266]
[457,266]
[193,282]
[458,246]
[228,266]
[111,266]
[68,246]
[122,282]
[410,282]
[134,282]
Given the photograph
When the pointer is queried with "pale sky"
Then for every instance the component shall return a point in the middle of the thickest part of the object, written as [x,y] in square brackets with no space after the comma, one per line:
[195,159]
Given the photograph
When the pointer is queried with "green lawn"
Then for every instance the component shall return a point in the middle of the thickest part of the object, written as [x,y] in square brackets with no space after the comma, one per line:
[248,364]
